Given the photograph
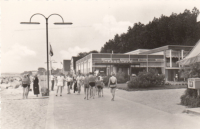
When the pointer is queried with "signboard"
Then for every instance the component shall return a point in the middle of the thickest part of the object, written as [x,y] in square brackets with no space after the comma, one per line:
[194,83]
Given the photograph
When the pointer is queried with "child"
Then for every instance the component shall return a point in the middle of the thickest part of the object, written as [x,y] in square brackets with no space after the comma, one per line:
[92,84]
[99,85]
[86,86]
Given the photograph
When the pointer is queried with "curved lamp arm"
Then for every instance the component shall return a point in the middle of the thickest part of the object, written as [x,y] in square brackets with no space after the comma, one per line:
[56,14]
[37,14]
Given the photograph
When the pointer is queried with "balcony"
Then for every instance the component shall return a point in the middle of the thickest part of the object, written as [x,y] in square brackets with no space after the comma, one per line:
[173,64]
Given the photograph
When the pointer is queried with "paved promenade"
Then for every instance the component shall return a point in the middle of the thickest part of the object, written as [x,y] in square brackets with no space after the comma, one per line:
[71,111]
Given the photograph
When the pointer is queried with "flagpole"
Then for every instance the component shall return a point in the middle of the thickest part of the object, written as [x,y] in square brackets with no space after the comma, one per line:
[50,59]
[49,62]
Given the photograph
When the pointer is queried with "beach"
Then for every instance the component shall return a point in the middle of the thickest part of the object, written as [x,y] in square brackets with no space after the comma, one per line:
[18,113]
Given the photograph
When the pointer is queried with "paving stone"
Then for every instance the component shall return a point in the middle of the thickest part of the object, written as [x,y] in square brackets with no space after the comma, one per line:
[73,112]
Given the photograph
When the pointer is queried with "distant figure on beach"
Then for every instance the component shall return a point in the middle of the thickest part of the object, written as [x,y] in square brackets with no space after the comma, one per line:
[25,82]
[113,85]
[29,84]
[52,83]
[36,90]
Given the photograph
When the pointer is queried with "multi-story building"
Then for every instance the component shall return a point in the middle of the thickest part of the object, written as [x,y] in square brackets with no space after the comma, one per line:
[163,59]
[66,66]
[73,63]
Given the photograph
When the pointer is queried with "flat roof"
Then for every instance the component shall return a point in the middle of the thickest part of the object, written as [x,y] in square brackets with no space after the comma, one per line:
[137,51]
[168,47]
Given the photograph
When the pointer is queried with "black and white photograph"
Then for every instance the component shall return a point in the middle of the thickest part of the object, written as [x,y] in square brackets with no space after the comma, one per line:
[100,64]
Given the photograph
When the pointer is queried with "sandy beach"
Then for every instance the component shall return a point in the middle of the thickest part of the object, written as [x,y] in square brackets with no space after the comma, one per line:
[18,113]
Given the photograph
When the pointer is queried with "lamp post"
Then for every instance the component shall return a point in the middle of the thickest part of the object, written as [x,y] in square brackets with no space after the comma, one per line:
[57,23]
[198,20]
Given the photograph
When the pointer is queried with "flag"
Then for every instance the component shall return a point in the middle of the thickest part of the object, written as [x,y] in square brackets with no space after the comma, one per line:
[51,51]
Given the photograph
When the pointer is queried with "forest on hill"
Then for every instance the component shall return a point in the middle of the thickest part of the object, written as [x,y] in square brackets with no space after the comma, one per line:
[176,29]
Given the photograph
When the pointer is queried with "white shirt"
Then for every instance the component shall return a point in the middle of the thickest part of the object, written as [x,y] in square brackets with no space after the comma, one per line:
[60,80]
[69,79]
[52,77]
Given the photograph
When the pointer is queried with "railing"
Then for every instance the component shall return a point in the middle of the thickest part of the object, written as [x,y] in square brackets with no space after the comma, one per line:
[173,64]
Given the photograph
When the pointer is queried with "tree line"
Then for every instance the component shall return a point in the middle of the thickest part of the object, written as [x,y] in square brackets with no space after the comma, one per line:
[176,29]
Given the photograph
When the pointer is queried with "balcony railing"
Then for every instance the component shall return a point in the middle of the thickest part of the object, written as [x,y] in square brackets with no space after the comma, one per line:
[173,64]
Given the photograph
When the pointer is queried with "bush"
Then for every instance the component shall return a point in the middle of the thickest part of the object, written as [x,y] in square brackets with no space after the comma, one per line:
[146,79]
[121,77]
[106,79]
[190,98]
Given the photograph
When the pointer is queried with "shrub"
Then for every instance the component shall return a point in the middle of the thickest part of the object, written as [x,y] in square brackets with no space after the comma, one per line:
[121,77]
[106,79]
[147,79]
[190,97]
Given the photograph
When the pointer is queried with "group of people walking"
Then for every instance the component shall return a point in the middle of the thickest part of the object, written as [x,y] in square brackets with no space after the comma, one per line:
[92,84]
[26,82]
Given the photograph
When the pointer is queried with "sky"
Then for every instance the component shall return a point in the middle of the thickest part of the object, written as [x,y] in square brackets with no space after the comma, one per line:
[23,47]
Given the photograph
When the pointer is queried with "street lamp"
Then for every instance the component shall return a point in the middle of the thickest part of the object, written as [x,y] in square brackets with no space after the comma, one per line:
[57,23]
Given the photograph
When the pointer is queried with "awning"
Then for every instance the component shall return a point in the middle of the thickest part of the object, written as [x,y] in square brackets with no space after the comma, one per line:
[193,56]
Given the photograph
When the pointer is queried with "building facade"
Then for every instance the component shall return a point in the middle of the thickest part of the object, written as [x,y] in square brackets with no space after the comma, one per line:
[66,66]
[73,64]
[163,59]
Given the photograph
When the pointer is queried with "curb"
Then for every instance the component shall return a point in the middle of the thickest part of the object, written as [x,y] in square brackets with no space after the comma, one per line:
[50,113]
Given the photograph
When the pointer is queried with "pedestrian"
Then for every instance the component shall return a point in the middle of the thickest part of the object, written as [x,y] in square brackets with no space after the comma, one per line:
[36,90]
[52,82]
[79,82]
[60,80]
[86,86]
[92,84]
[64,81]
[112,84]
[69,81]
[99,85]
[101,78]
[29,84]
[55,80]
[75,85]
[25,82]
